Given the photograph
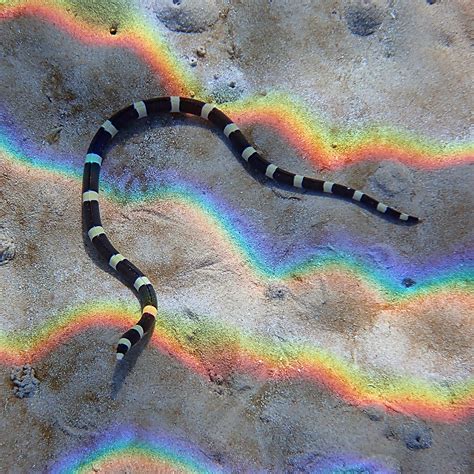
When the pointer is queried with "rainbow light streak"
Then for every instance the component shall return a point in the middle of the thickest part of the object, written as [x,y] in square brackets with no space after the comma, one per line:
[14,148]
[121,448]
[380,271]
[136,34]
[328,149]
[280,111]
[226,350]
[147,452]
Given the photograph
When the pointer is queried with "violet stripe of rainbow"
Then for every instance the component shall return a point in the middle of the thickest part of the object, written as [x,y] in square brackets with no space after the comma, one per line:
[157,452]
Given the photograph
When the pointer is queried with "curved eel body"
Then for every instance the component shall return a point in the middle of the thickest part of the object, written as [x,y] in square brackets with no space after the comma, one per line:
[96,153]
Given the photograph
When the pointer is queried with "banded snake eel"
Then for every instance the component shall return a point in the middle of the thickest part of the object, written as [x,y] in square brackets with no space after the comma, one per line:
[91,213]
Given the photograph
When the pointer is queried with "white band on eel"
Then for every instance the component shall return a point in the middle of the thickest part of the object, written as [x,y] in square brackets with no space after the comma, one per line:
[206,110]
[139,329]
[327,186]
[248,152]
[298,181]
[228,129]
[174,104]
[140,107]
[271,168]
[140,281]
[90,196]
[108,126]
[115,260]
[125,342]
[95,231]
[93,158]
[149,309]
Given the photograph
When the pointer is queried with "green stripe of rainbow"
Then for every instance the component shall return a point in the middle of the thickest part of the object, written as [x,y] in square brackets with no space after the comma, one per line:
[284,113]
[214,345]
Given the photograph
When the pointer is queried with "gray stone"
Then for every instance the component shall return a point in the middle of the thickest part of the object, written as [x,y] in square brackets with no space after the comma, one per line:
[7,248]
[278,292]
[24,380]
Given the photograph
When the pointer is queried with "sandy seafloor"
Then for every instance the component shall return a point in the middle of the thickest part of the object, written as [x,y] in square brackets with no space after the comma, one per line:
[296,332]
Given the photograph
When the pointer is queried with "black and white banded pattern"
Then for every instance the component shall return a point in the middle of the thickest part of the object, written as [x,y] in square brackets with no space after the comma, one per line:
[96,153]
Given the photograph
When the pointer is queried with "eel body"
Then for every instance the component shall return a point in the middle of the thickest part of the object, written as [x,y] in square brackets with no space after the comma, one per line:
[147,108]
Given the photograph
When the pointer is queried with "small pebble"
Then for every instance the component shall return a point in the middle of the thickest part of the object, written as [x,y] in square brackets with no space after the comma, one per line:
[201,51]
[232,84]
[193,61]
[276,292]
[215,377]
[408,282]
[24,380]
[417,437]
[113,30]
[7,249]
